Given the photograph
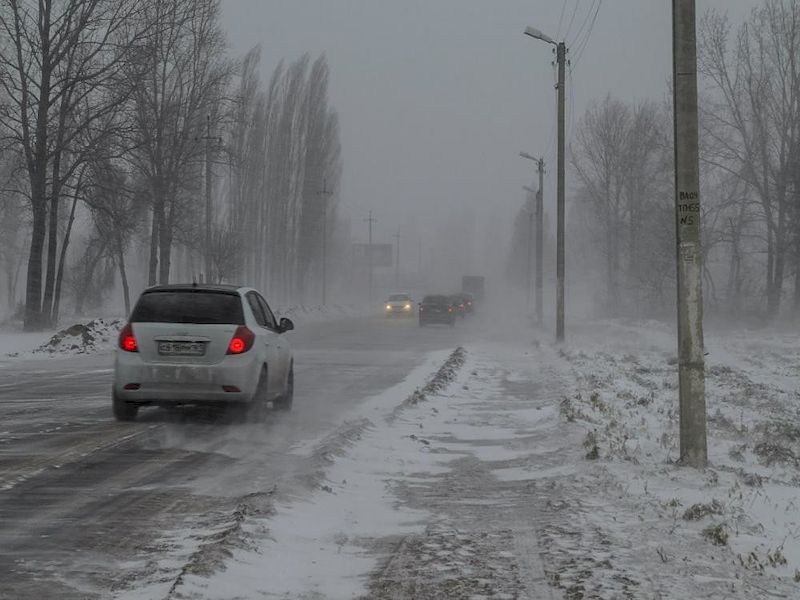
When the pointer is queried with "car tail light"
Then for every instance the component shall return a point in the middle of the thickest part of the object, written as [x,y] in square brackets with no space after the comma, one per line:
[241,341]
[127,341]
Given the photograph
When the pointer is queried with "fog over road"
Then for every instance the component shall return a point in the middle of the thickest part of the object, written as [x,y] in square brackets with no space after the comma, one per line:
[84,500]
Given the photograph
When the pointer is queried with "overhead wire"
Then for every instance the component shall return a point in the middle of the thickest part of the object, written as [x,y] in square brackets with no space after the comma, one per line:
[561,19]
[585,42]
[572,19]
[586,20]
[550,151]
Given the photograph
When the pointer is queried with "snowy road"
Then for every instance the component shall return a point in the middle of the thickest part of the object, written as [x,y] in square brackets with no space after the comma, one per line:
[83,498]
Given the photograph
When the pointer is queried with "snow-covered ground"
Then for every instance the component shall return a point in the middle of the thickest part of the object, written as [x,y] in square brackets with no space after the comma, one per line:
[536,471]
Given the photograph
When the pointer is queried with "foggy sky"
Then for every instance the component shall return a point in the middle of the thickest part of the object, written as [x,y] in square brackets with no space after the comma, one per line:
[437,97]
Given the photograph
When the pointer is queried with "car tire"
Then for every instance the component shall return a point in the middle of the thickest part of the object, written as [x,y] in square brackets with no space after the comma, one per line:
[123,411]
[284,401]
[258,404]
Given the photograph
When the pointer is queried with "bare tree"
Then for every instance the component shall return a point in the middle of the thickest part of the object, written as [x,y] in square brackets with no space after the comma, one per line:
[180,84]
[753,120]
[621,157]
[58,66]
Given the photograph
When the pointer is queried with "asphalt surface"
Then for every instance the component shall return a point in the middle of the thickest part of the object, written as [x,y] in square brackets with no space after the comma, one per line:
[85,501]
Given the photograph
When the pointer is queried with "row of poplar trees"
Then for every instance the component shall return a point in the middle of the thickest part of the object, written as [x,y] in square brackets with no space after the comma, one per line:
[115,111]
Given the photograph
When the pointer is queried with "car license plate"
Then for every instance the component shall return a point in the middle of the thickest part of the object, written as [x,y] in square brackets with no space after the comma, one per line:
[181,348]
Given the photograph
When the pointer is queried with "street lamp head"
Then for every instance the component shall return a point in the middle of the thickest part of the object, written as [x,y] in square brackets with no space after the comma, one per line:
[528,156]
[535,33]
[530,190]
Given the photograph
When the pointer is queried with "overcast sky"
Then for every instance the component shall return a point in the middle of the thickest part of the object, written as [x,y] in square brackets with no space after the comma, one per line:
[437,97]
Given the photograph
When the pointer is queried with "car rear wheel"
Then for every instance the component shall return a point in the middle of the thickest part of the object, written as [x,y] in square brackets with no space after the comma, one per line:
[123,411]
[284,402]
[258,405]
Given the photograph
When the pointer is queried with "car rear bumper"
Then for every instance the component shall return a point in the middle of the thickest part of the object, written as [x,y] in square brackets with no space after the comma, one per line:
[233,380]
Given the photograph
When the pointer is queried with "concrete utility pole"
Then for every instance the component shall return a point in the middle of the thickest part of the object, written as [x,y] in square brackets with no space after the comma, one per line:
[529,270]
[208,138]
[561,60]
[370,220]
[397,261]
[539,234]
[691,368]
[324,193]
[539,242]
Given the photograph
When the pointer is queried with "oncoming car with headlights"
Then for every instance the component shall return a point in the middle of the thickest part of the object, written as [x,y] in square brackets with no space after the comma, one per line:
[400,305]
[202,345]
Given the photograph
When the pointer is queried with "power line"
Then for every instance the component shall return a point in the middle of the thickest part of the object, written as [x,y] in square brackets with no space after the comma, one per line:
[561,19]
[585,41]
[586,20]
[571,116]
[572,19]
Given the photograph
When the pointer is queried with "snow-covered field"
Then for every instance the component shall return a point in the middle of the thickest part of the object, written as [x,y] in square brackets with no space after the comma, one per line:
[543,471]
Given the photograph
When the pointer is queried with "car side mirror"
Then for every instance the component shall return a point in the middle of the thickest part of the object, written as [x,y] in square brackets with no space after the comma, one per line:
[285,324]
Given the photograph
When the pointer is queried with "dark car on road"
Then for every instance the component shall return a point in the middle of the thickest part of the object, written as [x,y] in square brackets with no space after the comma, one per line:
[467,300]
[437,309]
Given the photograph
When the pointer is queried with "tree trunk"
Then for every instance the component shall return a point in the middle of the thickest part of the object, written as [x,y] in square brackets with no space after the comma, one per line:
[62,259]
[87,282]
[154,234]
[52,248]
[33,288]
[733,287]
[165,248]
[123,275]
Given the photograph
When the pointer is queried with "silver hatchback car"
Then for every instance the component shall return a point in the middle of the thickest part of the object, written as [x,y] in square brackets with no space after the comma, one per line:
[202,344]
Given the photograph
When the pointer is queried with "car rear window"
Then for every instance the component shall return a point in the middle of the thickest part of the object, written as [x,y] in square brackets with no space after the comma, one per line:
[202,307]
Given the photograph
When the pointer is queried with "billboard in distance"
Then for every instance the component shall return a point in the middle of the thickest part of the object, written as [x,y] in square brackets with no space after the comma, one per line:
[381,255]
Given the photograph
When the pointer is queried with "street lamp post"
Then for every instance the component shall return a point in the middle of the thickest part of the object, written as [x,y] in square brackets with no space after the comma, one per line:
[324,193]
[539,235]
[561,59]
[528,276]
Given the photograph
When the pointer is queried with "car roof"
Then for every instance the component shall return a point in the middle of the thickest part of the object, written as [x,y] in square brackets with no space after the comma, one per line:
[194,287]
